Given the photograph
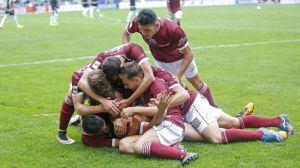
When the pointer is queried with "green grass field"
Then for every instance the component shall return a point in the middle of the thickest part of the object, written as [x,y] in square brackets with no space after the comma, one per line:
[242,53]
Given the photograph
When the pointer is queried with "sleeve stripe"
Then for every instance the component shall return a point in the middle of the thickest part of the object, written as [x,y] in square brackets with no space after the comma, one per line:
[143,60]
[173,86]
[186,44]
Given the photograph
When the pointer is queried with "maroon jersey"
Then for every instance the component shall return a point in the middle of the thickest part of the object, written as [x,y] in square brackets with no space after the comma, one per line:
[188,103]
[173,6]
[154,91]
[129,51]
[97,140]
[167,43]
[169,78]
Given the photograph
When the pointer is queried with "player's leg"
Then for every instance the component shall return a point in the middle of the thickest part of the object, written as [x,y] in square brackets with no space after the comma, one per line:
[3,20]
[192,76]
[67,110]
[16,19]
[282,122]
[85,6]
[191,134]
[157,142]
[126,144]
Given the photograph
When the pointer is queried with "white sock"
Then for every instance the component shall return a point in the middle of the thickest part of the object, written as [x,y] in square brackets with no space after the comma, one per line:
[3,20]
[16,20]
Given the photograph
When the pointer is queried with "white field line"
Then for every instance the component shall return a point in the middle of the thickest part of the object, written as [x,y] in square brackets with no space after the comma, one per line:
[194,48]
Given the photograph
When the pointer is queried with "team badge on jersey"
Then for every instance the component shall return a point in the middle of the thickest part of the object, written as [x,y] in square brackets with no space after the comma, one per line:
[96,65]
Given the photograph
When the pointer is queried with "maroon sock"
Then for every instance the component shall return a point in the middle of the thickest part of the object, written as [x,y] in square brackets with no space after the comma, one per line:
[67,110]
[252,121]
[158,150]
[239,135]
[204,90]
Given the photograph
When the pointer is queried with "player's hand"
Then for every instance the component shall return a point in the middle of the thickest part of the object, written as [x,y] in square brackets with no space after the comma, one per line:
[124,103]
[127,112]
[111,106]
[163,103]
[120,127]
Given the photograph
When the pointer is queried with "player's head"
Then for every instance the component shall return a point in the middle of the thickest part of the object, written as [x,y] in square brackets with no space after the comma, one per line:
[131,75]
[99,84]
[148,24]
[111,66]
[93,124]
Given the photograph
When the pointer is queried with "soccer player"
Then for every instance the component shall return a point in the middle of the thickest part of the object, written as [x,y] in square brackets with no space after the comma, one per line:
[132,11]
[175,11]
[169,47]
[54,13]
[207,121]
[9,10]
[85,6]
[127,52]
[168,125]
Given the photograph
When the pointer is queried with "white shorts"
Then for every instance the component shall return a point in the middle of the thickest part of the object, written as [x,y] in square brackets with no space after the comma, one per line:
[174,67]
[201,113]
[169,133]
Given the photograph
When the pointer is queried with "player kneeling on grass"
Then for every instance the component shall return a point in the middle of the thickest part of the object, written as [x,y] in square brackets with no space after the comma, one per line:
[168,126]
[207,120]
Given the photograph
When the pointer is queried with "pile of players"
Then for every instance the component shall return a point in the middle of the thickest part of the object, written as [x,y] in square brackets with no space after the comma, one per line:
[148,110]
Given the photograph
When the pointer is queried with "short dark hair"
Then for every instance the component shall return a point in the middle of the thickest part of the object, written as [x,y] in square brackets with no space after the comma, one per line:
[131,70]
[99,84]
[111,66]
[92,124]
[146,17]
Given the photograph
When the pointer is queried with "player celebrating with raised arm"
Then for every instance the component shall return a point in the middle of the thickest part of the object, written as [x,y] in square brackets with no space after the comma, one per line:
[169,47]
[168,125]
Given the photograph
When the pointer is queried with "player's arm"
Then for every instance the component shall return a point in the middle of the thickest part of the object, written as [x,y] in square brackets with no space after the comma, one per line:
[83,109]
[126,37]
[109,105]
[132,27]
[188,58]
[131,111]
[162,106]
[180,95]
[145,84]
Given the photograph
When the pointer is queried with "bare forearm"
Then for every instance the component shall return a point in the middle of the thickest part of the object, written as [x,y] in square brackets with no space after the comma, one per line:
[180,96]
[125,37]
[84,110]
[147,111]
[85,87]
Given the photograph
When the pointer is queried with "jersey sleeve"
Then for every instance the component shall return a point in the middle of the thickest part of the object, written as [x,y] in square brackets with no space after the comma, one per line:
[132,27]
[98,141]
[180,39]
[137,54]
[157,87]
[97,61]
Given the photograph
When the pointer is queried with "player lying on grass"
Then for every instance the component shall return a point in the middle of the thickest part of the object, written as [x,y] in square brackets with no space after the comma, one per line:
[168,126]
[207,119]
[125,53]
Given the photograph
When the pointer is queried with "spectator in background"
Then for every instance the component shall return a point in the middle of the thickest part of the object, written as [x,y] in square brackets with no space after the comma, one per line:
[132,11]
[54,13]
[9,10]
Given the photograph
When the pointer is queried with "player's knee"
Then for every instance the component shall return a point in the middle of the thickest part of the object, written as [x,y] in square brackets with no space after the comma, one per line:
[137,147]
[217,139]
[123,146]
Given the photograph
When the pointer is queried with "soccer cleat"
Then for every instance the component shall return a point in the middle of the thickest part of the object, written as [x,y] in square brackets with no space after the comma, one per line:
[63,139]
[189,157]
[285,124]
[272,136]
[75,120]
[248,110]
